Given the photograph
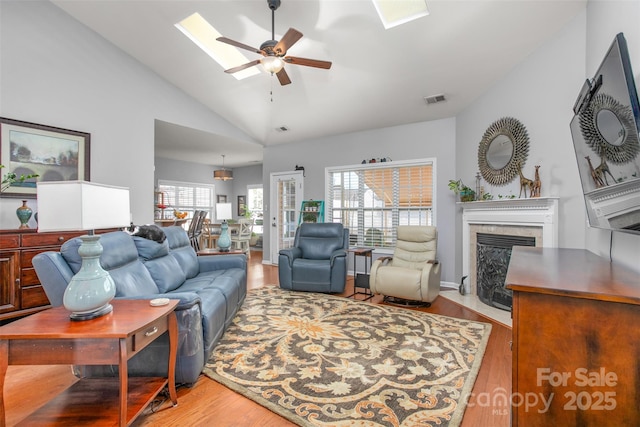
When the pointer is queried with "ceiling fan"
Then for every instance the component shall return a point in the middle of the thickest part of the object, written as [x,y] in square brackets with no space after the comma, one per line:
[274,51]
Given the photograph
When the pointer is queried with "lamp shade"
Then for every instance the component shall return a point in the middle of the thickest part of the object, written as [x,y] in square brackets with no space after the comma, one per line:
[223,211]
[223,174]
[81,205]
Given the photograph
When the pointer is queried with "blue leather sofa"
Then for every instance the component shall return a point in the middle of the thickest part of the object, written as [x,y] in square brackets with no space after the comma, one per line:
[211,289]
[317,262]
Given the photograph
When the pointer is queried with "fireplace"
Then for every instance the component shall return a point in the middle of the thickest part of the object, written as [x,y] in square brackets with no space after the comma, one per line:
[535,218]
[493,252]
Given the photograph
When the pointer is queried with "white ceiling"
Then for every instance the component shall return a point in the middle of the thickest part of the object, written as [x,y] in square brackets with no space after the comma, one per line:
[379,77]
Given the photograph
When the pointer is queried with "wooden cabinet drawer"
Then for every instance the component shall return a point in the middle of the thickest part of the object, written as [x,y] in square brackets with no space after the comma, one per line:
[28,277]
[148,334]
[34,296]
[48,239]
[26,257]
[9,241]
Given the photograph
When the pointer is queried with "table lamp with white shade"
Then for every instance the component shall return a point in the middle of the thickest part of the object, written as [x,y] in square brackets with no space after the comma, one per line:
[223,212]
[81,205]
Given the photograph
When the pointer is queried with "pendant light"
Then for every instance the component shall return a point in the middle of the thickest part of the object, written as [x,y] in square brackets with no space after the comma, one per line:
[223,174]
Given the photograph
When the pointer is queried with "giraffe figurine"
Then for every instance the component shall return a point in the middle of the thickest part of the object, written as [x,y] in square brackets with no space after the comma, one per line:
[595,175]
[524,182]
[537,184]
[603,170]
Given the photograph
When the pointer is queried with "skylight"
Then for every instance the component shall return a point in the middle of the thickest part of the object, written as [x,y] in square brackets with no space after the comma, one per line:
[396,12]
[204,36]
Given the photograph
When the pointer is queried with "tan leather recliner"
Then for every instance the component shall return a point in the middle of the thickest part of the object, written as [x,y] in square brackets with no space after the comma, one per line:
[413,273]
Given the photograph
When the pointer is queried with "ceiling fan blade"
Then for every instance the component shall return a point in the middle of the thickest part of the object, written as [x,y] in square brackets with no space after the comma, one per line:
[240,45]
[307,62]
[288,40]
[283,77]
[242,67]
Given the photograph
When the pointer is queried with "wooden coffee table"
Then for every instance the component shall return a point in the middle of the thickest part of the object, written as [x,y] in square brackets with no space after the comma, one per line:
[51,338]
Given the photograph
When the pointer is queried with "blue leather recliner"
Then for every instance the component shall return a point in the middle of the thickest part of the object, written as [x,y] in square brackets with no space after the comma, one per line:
[317,262]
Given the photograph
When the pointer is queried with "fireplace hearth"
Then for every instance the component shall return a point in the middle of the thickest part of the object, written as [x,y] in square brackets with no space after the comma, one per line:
[493,254]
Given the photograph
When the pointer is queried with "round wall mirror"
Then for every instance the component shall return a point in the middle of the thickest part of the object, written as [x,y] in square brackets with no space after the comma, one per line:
[499,152]
[503,149]
[609,129]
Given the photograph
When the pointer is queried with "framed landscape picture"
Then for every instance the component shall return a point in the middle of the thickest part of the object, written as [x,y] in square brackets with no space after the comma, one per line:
[242,205]
[222,198]
[54,154]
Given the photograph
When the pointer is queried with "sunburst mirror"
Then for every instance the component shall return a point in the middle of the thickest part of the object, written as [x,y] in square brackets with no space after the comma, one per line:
[503,150]
[609,129]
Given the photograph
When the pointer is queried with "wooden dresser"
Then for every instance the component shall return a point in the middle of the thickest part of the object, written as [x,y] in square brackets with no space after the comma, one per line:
[576,339]
[20,289]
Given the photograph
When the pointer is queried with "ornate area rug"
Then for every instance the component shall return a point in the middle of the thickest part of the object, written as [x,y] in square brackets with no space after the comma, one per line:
[321,360]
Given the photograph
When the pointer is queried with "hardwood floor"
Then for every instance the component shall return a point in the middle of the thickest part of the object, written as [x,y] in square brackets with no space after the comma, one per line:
[209,403]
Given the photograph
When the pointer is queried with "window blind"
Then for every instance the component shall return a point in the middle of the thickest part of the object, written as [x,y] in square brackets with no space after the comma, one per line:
[373,199]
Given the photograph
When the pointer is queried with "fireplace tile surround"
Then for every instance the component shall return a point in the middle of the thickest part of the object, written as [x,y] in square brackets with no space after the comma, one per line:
[532,217]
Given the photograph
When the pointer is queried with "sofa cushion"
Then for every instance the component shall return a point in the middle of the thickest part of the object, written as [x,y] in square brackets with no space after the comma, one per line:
[164,269]
[180,248]
[120,258]
[150,249]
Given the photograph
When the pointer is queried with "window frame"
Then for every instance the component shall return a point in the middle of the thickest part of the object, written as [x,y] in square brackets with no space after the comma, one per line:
[361,210]
[195,185]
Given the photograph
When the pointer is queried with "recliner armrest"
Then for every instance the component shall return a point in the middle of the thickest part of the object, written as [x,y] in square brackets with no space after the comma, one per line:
[212,263]
[291,254]
[433,261]
[385,259]
[339,253]
[54,274]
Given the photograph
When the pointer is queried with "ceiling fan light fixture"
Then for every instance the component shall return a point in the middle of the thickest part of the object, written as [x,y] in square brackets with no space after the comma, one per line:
[272,64]
[223,174]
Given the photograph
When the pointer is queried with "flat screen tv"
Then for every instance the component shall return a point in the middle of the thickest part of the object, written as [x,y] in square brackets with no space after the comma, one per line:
[605,132]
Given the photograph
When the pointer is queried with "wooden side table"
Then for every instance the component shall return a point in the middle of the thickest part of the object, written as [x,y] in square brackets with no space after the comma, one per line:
[212,251]
[361,280]
[51,338]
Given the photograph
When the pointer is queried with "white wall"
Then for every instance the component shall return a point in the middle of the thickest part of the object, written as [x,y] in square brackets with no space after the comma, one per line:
[55,71]
[419,140]
[540,93]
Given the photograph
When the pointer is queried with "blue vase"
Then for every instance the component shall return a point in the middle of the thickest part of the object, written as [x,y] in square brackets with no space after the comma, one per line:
[24,213]
[224,241]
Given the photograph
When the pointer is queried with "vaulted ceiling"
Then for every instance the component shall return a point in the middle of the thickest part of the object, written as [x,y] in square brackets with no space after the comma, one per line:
[379,77]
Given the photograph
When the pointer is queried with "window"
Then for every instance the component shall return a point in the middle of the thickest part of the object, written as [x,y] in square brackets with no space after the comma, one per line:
[254,204]
[188,197]
[373,199]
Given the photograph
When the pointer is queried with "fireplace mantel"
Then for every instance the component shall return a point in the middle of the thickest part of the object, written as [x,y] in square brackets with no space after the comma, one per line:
[539,212]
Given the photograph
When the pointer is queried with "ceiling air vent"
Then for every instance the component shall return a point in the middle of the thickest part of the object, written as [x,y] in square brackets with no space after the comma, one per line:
[434,99]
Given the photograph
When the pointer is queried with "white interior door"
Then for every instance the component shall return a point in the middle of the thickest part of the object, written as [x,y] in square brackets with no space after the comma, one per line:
[286,200]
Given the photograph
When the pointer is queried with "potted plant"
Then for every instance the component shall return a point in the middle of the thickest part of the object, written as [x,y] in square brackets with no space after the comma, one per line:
[311,206]
[10,178]
[309,217]
[466,193]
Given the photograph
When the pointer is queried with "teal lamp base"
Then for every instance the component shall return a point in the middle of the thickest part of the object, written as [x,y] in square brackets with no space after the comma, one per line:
[89,292]
[224,241]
